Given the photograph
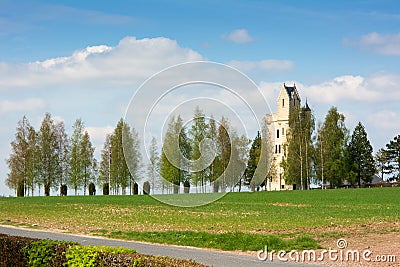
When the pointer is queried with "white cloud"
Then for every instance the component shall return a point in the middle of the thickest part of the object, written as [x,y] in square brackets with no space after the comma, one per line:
[130,62]
[386,44]
[385,120]
[271,92]
[99,133]
[239,36]
[29,104]
[373,88]
[265,65]
[98,136]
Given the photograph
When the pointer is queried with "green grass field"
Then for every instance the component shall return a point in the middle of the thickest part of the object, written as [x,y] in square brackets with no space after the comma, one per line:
[238,221]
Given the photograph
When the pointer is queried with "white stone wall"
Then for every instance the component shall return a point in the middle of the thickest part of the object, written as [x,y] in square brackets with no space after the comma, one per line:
[280,126]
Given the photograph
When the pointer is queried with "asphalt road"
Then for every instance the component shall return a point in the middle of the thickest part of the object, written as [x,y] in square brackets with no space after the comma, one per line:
[208,257]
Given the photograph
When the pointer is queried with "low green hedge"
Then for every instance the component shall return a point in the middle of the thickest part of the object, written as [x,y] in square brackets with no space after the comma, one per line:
[20,251]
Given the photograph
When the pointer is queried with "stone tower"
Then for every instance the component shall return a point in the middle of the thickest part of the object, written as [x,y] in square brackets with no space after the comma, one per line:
[279,124]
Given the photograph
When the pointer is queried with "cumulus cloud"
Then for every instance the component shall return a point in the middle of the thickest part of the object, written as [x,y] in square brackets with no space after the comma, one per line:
[29,104]
[239,36]
[265,65]
[130,62]
[373,88]
[385,44]
[385,119]
[98,136]
[99,133]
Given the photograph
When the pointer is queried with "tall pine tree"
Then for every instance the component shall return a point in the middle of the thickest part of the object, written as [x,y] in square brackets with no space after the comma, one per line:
[360,157]
[381,162]
[393,158]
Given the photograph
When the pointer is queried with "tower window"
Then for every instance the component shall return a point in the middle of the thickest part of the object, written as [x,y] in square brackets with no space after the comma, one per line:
[279,149]
[277,133]
[276,149]
[283,102]
[283,131]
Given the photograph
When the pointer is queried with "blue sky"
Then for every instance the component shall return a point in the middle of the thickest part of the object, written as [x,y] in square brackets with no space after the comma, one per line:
[86,58]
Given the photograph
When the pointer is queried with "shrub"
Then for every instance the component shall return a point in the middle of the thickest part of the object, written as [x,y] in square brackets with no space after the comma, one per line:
[79,256]
[10,250]
[46,253]
[20,252]
[39,253]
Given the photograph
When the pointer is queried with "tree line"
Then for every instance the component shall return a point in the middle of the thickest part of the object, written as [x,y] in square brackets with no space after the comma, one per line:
[47,158]
[207,153]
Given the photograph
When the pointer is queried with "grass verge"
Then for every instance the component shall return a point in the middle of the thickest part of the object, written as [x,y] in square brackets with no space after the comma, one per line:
[223,241]
[248,219]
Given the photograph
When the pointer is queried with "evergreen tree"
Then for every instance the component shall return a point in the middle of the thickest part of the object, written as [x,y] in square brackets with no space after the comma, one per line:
[381,162]
[360,155]
[331,145]
[393,158]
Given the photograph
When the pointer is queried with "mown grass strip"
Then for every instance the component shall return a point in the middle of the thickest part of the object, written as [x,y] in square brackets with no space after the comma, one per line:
[224,241]
[320,214]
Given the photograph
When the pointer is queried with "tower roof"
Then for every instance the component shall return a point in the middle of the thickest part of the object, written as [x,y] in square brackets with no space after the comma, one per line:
[291,90]
[306,107]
